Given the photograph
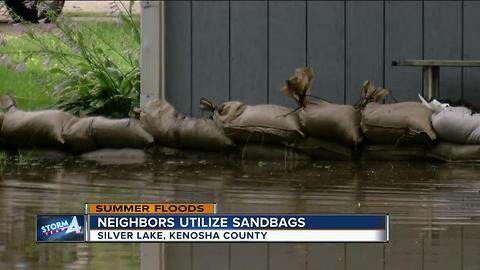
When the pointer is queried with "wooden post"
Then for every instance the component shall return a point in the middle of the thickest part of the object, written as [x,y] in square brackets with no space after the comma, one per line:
[152,54]
[152,255]
[430,82]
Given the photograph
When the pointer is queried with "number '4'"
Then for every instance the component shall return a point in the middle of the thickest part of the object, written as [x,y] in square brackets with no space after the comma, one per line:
[73,227]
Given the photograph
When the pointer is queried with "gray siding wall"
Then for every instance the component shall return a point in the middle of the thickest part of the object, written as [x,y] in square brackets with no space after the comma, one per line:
[455,247]
[245,50]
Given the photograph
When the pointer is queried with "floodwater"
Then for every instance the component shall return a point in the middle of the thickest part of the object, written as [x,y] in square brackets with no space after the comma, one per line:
[434,208]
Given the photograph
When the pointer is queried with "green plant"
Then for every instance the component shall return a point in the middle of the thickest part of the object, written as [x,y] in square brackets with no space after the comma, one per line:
[23,157]
[93,76]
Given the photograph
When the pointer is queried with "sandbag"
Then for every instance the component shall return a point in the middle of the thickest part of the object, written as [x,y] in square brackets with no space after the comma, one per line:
[268,152]
[267,124]
[448,151]
[90,133]
[340,123]
[173,129]
[34,129]
[398,123]
[324,120]
[122,156]
[77,134]
[323,149]
[457,124]
[382,152]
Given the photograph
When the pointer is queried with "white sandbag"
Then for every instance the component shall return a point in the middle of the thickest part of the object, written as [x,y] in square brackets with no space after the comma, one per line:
[457,124]
[448,151]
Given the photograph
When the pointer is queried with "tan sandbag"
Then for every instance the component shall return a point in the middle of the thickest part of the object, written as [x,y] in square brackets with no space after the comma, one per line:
[321,149]
[382,152]
[268,152]
[398,123]
[322,119]
[173,129]
[340,123]
[120,133]
[77,134]
[41,128]
[268,124]
[448,151]
[90,133]
[371,93]
[122,156]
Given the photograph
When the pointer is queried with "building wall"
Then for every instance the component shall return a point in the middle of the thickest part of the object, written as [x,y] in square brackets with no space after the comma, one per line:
[245,50]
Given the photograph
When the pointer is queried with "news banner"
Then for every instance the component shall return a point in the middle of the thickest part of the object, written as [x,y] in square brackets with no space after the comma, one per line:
[200,222]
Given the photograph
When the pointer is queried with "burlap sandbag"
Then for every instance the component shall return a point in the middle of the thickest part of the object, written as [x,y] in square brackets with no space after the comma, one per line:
[77,134]
[267,124]
[382,152]
[90,133]
[340,123]
[448,151]
[120,133]
[321,119]
[32,129]
[173,129]
[321,149]
[399,123]
[268,152]
[457,124]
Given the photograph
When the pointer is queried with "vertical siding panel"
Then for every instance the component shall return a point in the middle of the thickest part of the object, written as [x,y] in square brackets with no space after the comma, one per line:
[471,247]
[326,48]
[177,56]
[210,22]
[404,251]
[177,256]
[288,256]
[249,51]
[207,256]
[436,255]
[364,256]
[249,256]
[287,45]
[443,40]
[403,40]
[471,76]
[364,46]
[326,256]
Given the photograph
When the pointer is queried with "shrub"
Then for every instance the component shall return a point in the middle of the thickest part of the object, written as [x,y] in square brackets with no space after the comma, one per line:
[94,75]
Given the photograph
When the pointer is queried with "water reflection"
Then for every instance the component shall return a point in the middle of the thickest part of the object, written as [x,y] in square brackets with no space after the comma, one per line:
[434,207]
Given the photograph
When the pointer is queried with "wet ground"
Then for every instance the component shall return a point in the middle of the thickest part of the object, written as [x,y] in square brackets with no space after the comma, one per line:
[434,208]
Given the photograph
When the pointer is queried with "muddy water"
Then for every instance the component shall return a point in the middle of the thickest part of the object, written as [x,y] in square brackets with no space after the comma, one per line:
[434,207]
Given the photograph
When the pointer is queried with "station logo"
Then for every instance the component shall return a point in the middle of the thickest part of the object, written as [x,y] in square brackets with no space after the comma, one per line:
[60,228]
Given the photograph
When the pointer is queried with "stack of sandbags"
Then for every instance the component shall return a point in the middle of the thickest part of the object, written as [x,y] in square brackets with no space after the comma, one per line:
[457,124]
[264,124]
[458,130]
[398,123]
[32,129]
[448,151]
[321,119]
[173,129]
[91,133]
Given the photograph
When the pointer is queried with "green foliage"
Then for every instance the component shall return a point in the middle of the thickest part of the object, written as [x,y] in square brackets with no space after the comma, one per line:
[93,74]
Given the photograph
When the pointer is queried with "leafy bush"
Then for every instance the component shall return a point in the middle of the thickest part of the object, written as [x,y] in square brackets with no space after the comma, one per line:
[93,75]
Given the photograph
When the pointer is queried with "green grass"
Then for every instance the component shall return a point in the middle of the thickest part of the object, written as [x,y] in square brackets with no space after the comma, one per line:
[30,87]
[75,13]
